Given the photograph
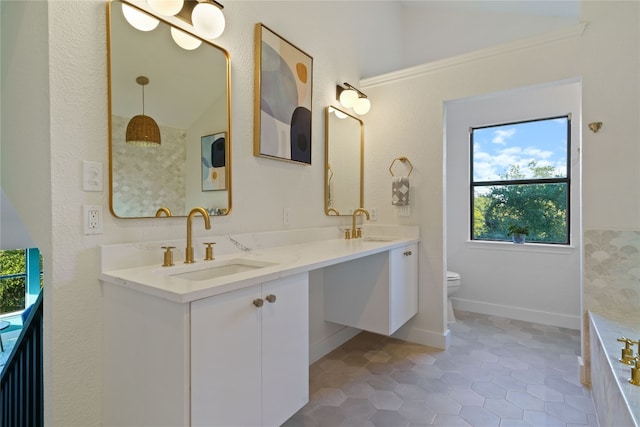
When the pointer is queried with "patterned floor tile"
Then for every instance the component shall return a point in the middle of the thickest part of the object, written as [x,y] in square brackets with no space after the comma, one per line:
[497,372]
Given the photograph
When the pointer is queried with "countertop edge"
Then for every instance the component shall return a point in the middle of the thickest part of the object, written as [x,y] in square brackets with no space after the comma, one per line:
[284,269]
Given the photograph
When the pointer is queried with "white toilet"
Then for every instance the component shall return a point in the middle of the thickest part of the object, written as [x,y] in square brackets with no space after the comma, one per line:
[453,284]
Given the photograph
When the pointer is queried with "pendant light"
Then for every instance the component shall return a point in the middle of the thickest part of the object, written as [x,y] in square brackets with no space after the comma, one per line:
[142,130]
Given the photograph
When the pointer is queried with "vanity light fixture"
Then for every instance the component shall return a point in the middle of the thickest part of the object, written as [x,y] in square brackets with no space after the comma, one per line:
[205,15]
[139,20]
[166,7]
[142,130]
[339,114]
[185,40]
[350,97]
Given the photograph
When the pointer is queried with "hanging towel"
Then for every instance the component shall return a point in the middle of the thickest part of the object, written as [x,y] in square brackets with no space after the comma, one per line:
[400,191]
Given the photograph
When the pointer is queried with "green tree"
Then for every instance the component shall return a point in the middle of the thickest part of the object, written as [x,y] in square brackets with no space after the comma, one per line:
[12,290]
[542,207]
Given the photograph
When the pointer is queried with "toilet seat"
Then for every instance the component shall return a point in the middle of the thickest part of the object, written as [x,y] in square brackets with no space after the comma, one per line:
[452,275]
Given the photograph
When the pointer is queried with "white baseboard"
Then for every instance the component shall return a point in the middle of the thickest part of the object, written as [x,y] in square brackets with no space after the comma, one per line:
[518,313]
[328,344]
[424,337]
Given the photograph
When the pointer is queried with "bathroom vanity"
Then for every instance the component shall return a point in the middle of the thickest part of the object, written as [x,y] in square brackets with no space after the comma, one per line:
[226,342]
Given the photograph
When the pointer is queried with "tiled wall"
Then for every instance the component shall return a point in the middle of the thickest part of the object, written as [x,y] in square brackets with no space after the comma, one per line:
[162,167]
[611,281]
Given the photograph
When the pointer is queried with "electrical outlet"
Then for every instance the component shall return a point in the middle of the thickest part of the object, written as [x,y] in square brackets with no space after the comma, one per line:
[286,216]
[91,176]
[92,219]
[373,214]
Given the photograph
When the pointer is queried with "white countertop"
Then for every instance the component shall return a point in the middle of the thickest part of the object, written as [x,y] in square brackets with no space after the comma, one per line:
[287,259]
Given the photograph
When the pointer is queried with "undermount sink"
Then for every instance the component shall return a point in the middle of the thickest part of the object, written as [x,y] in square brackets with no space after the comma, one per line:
[223,268]
[378,239]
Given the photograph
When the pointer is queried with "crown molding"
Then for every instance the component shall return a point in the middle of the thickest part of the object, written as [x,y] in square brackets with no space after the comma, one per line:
[549,37]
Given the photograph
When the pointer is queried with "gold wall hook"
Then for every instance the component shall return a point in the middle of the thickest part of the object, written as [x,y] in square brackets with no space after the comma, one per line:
[595,126]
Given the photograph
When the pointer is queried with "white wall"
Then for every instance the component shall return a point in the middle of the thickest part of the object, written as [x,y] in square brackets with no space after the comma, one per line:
[55,57]
[407,119]
[56,85]
[439,29]
[539,283]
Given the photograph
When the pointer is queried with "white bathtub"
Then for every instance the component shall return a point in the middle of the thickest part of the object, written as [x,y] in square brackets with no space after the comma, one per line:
[617,401]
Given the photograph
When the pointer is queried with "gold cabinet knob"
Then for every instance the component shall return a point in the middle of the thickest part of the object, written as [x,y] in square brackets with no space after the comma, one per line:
[271,298]
[407,253]
[258,302]
[168,256]
[209,251]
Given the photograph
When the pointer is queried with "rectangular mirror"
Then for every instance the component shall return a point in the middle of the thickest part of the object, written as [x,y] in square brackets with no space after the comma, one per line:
[344,169]
[186,92]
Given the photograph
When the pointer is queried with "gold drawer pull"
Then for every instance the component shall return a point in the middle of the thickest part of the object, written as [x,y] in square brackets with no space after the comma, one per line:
[407,253]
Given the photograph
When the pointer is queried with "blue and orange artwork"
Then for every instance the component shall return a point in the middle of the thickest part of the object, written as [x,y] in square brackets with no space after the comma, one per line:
[285,99]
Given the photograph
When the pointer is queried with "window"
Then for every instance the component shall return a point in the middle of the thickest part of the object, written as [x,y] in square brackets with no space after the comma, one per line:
[20,279]
[520,176]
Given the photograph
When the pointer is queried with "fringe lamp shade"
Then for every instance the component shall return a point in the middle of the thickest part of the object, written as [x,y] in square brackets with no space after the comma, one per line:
[142,130]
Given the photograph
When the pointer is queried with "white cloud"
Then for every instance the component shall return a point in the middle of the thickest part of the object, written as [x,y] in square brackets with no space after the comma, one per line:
[501,135]
[537,153]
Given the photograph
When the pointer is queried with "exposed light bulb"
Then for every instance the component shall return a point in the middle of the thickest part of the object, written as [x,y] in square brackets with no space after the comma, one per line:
[166,7]
[139,20]
[339,114]
[348,97]
[208,20]
[362,106]
[184,40]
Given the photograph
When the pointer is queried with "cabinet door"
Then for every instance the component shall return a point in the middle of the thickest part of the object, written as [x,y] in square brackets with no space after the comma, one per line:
[403,278]
[226,360]
[356,293]
[285,348]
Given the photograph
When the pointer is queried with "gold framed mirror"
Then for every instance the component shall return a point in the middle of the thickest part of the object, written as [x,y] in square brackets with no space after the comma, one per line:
[187,94]
[344,162]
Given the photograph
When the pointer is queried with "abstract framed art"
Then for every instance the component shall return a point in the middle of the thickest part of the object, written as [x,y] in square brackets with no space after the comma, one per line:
[284,81]
[214,161]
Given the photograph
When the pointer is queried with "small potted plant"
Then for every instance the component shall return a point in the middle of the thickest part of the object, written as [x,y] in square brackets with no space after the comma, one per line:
[518,232]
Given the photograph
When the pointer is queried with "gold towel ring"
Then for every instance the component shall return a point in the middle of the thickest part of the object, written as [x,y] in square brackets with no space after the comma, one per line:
[403,160]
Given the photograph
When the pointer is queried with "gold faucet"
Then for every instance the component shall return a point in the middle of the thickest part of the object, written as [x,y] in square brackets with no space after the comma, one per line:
[635,372]
[354,233]
[627,352]
[166,211]
[188,253]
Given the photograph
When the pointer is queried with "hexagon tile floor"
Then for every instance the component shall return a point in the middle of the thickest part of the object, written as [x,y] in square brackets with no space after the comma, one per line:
[496,372]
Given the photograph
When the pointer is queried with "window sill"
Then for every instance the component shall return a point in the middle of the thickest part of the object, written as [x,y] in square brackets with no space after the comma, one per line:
[521,247]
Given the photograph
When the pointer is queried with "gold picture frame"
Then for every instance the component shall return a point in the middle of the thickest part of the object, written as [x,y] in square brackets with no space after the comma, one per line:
[283,99]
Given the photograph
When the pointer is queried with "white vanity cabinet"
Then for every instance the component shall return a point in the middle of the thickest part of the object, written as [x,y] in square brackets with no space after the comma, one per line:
[217,361]
[376,293]
[250,354]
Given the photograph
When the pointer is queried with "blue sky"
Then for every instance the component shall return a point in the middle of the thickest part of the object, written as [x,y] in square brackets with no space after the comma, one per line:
[496,148]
